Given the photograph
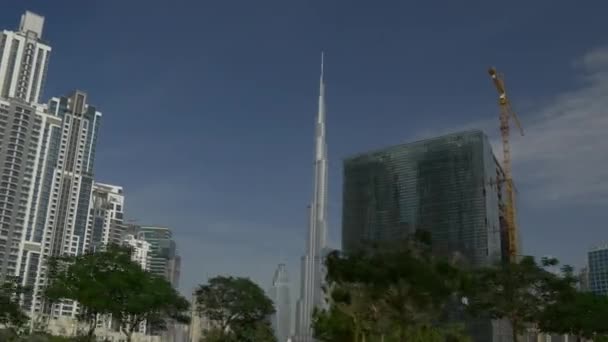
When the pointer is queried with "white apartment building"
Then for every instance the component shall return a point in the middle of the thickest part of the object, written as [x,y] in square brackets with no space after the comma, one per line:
[26,147]
[105,223]
[140,250]
[67,215]
[24,60]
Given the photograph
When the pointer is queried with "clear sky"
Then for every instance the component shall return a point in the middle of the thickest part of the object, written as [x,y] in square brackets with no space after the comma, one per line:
[209,109]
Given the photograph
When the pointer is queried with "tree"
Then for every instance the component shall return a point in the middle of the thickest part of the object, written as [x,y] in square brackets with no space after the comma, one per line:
[333,325]
[217,335]
[91,279]
[110,283]
[237,306]
[391,291]
[147,298]
[583,315]
[11,315]
[260,331]
[517,292]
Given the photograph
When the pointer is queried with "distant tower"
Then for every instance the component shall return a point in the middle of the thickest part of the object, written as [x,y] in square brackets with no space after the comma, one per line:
[279,293]
[311,293]
[24,59]
[597,272]
[105,226]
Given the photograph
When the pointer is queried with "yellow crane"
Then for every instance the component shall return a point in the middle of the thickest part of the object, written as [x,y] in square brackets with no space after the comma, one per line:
[509,211]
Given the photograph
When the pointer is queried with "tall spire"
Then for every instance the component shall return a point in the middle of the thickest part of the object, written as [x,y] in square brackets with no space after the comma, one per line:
[322,55]
[311,295]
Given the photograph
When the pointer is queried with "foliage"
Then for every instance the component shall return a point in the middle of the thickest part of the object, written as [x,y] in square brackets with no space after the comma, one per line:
[6,336]
[260,331]
[333,325]
[518,291]
[238,307]
[147,298]
[400,292]
[90,279]
[11,315]
[217,335]
[583,315]
[390,292]
[109,282]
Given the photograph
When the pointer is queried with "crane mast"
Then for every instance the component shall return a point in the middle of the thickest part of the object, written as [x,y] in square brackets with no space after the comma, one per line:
[509,210]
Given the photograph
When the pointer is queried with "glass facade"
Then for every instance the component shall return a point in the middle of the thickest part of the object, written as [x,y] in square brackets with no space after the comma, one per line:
[164,260]
[598,270]
[446,185]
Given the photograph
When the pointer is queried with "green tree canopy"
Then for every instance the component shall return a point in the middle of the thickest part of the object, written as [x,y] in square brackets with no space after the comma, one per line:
[238,307]
[519,291]
[109,282]
[147,298]
[389,291]
[583,315]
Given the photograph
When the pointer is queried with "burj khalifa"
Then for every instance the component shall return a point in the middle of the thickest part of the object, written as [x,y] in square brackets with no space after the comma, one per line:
[311,293]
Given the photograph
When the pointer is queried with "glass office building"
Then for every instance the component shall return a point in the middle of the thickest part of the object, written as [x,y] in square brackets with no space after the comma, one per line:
[445,185]
[598,270]
[164,260]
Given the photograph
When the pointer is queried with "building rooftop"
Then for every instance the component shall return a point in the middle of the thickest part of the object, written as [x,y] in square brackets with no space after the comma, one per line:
[32,23]
[417,142]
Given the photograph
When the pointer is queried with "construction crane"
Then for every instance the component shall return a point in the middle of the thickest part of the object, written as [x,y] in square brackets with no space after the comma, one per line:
[509,210]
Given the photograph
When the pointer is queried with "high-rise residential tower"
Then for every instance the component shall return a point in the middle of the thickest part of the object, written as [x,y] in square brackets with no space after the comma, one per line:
[105,224]
[597,272]
[27,150]
[279,293]
[446,186]
[24,60]
[71,167]
[311,293]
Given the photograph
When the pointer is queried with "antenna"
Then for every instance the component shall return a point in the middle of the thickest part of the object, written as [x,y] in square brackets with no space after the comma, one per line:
[322,57]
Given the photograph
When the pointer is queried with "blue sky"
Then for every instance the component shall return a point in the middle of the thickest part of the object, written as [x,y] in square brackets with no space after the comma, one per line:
[209,109]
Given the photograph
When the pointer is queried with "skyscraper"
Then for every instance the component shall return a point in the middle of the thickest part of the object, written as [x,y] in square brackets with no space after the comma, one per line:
[72,157]
[25,130]
[24,60]
[279,293]
[26,158]
[105,224]
[164,260]
[598,270]
[311,293]
[445,185]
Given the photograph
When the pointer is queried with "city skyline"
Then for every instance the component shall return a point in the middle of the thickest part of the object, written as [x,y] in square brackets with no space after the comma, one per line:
[51,205]
[375,76]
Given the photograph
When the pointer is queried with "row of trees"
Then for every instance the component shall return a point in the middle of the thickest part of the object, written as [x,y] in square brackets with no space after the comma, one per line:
[404,292]
[389,293]
[107,285]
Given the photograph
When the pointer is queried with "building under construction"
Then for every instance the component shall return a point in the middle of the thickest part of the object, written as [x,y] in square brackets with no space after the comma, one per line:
[446,185]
